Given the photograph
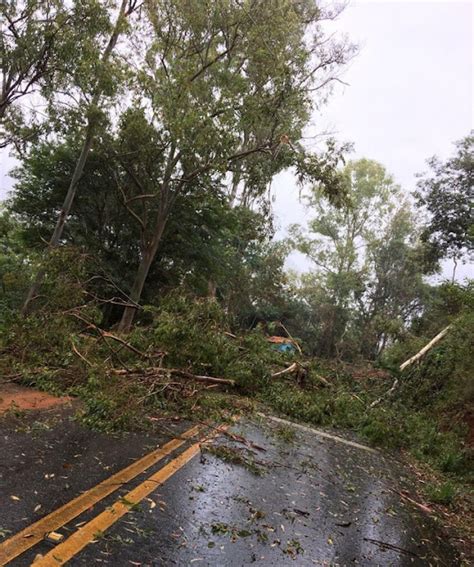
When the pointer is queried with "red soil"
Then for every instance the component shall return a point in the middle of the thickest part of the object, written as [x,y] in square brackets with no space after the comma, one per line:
[19,397]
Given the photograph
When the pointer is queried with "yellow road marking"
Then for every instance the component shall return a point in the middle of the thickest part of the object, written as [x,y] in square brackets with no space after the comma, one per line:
[98,525]
[30,536]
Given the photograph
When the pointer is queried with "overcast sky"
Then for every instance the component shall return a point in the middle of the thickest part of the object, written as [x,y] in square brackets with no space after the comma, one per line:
[410,92]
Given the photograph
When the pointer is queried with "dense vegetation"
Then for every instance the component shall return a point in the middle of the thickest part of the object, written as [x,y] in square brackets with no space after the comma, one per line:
[137,258]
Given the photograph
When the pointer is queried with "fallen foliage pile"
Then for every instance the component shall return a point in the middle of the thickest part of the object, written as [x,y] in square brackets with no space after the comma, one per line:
[183,350]
[188,358]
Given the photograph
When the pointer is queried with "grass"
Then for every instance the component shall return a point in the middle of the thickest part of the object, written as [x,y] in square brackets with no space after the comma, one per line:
[444,493]
[391,426]
[286,434]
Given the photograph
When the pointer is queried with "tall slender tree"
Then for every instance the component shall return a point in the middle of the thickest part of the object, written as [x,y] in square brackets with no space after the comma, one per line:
[368,265]
[229,89]
[98,86]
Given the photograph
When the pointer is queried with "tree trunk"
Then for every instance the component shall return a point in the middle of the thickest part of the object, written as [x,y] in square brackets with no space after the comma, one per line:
[425,349]
[136,292]
[80,164]
[140,278]
[149,253]
[65,210]
[455,262]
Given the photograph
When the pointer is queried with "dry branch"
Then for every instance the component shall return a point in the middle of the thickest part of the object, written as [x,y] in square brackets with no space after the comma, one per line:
[292,368]
[158,370]
[419,505]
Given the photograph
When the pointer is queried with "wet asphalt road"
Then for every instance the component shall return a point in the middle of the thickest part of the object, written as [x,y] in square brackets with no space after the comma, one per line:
[303,500]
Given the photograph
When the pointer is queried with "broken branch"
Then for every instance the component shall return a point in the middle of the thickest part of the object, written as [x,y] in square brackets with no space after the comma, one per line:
[292,368]
[81,356]
[199,378]
[425,349]
[153,371]
[410,361]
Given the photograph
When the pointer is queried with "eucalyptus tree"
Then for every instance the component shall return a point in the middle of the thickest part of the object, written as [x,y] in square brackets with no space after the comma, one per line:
[49,56]
[394,289]
[90,78]
[341,233]
[367,279]
[205,239]
[222,94]
[31,34]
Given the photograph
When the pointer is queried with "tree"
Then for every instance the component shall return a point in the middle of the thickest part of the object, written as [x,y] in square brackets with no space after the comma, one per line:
[394,289]
[367,264]
[50,59]
[224,60]
[205,239]
[31,31]
[93,80]
[224,98]
[215,104]
[98,224]
[446,194]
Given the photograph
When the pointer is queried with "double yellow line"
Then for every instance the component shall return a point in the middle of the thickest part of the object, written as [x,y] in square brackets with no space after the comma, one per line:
[30,536]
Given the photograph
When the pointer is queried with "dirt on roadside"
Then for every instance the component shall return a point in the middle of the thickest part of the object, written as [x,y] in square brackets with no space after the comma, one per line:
[21,398]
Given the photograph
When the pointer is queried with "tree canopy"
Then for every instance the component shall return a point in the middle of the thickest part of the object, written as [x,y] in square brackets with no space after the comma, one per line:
[368,264]
[446,194]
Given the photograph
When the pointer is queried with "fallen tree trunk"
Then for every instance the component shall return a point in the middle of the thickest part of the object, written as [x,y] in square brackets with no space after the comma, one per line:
[410,361]
[425,349]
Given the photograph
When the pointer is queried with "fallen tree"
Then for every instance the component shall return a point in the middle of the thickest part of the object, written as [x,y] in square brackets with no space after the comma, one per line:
[410,361]
[425,349]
